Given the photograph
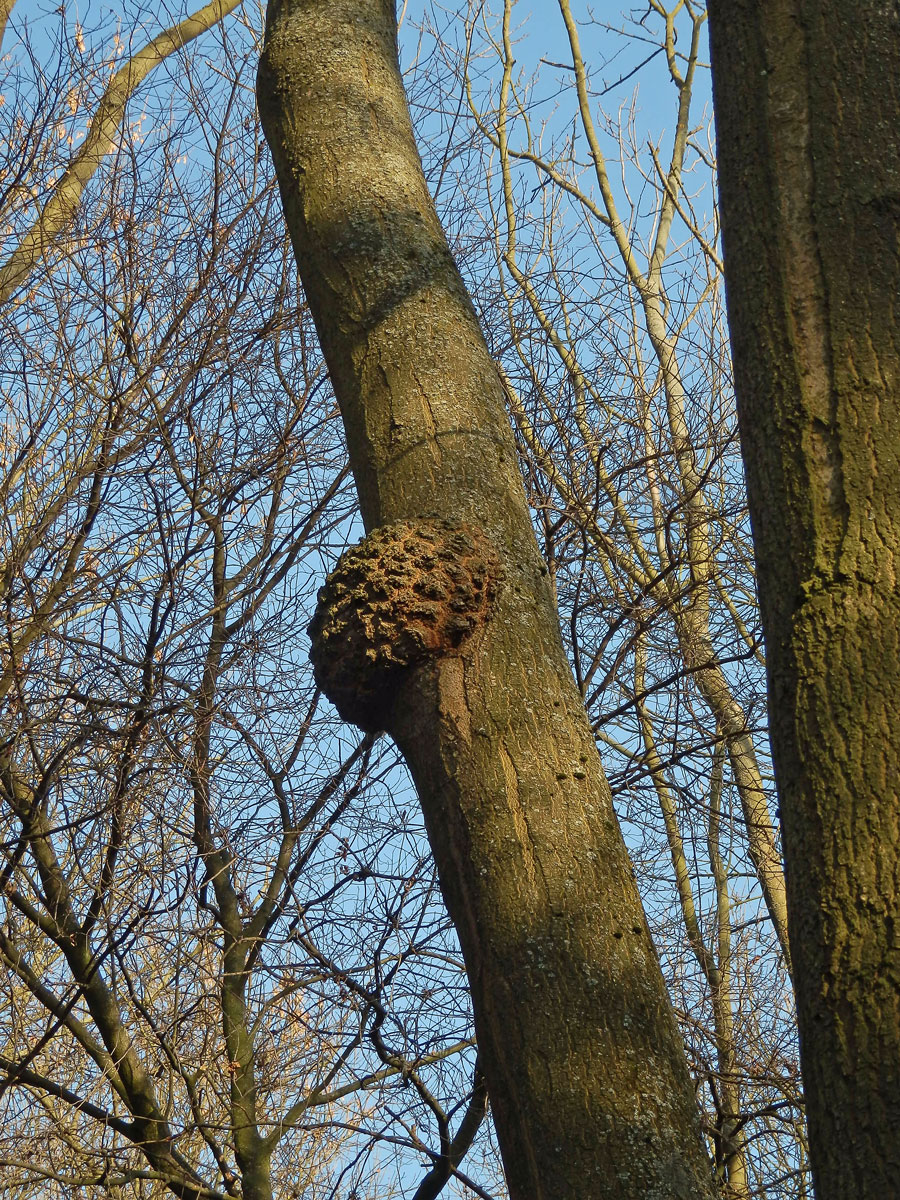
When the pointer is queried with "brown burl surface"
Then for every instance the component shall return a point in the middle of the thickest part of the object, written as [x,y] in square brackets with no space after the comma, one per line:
[407,594]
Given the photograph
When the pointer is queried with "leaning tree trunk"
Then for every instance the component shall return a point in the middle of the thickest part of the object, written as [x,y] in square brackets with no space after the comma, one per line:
[807,96]
[440,629]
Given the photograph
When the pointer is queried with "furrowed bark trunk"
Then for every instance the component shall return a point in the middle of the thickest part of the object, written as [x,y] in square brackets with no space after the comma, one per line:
[586,1072]
[807,96]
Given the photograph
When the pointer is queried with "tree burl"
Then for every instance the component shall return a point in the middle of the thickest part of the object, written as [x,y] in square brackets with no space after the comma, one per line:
[409,593]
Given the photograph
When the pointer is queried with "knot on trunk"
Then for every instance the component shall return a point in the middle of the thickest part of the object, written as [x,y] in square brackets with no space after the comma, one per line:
[408,593]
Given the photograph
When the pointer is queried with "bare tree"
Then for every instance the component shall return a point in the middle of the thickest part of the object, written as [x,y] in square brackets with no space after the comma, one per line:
[257,904]
[219,925]
[441,628]
[59,205]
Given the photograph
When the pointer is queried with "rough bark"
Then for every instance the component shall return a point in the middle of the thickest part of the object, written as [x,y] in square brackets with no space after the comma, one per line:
[587,1077]
[807,96]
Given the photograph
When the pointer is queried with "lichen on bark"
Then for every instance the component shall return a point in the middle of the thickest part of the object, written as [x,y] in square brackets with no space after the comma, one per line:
[410,592]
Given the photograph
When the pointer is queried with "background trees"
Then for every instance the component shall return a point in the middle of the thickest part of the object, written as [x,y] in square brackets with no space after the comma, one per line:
[604,306]
[178,249]
[212,948]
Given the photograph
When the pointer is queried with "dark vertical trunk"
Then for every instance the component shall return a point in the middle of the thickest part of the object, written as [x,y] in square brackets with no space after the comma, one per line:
[807,96]
[442,630]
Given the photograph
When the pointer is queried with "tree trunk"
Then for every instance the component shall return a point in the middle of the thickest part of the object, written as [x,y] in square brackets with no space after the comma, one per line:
[441,629]
[807,96]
